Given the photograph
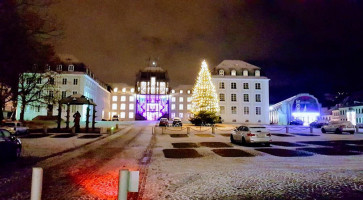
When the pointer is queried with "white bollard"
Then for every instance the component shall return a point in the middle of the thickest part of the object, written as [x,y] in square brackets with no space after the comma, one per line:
[37,181]
[123,184]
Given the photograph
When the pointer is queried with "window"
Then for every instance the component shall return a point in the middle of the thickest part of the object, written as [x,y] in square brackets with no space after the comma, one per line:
[245,86]
[131,106]
[245,73]
[233,86]
[122,115]
[172,115]
[258,86]
[181,107]
[188,92]
[181,99]
[123,106]
[173,106]
[233,72]
[246,98]
[173,91]
[51,81]
[246,110]
[258,110]
[234,110]
[64,94]
[51,94]
[189,106]
[123,98]
[173,99]
[123,90]
[221,85]
[189,99]
[233,97]
[71,68]
[37,109]
[114,106]
[39,81]
[221,72]
[114,98]
[75,92]
[59,67]
[258,98]
[75,81]
[115,89]
[132,90]
[131,114]
[222,109]
[180,115]
[181,91]
[221,97]
[257,73]
[131,98]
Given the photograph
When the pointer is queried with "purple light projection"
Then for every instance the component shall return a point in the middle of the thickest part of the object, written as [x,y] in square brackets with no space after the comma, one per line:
[152,107]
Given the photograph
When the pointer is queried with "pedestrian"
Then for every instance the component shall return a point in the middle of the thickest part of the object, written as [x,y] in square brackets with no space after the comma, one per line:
[77,119]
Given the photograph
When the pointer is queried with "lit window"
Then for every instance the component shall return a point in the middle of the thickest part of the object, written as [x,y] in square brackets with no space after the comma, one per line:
[114,98]
[234,109]
[221,97]
[233,97]
[173,115]
[132,90]
[123,98]
[173,106]
[245,86]
[188,92]
[71,68]
[181,99]
[189,99]
[221,72]
[257,73]
[131,106]
[258,98]
[258,86]
[233,72]
[173,91]
[221,85]
[131,98]
[114,106]
[59,67]
[246,110]
[123,89]
[181,91]
[222,109]
[233,85]
[246,98]
[258,110]
[123,106]
[181,107]
[189,106]
[180,115]
[131,114]
[173,99]
[115,89]
[122,115]
[245,73]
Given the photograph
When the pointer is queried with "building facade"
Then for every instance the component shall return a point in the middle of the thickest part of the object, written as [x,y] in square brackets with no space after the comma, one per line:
[181,102]
[243,93]
[304,107]
[123,102]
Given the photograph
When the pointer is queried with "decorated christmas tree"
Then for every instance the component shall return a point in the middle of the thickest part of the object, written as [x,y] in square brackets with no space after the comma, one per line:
[204,94]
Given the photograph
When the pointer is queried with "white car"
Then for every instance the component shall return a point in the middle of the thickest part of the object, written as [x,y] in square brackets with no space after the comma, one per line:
[15,127]
[251,134]
[339,127]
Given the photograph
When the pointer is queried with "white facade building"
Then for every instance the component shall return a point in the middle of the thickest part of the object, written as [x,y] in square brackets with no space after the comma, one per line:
[123,102]
[243,93]
[181,102]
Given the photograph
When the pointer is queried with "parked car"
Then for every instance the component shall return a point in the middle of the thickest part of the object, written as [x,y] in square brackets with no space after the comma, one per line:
[339,127]
[15,127]
[164,122]
[115,118]
[296,122]
[10,146]
[318,124]
[177,122]
[251,134]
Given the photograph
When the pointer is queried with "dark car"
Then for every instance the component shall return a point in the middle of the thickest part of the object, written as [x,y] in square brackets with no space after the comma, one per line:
[10,146]
[317,124]
[164,122]
[177,122]
[296,122]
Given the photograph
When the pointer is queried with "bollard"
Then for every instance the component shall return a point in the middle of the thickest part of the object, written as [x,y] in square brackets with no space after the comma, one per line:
[73,130]
[128,182]
[357,129]
[287,129]
[213,130]
[116,126]
[111,130]
[45,129]
[188,130]
[311,129]
[37,181]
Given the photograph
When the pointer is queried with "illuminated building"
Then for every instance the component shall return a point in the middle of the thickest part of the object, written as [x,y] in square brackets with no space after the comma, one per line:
[242,91]
[304,107]
[123,102]
[181,102]
[152,93]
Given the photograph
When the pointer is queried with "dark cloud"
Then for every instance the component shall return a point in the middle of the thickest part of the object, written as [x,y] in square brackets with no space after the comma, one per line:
[302,45]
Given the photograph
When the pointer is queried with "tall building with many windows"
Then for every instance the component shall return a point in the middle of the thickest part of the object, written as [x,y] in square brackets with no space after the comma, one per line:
[243,93]
[181,102]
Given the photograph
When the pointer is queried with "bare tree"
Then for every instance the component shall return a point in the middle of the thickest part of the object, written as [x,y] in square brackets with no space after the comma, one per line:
[5,97]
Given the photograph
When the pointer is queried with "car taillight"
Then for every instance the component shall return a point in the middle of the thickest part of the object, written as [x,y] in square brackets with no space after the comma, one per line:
[268,134]
[250,134]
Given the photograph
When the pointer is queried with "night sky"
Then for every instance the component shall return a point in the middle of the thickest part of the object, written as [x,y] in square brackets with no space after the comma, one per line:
[311,46]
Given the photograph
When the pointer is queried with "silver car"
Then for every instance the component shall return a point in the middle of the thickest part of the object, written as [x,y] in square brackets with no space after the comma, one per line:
[251,134]
[339,127]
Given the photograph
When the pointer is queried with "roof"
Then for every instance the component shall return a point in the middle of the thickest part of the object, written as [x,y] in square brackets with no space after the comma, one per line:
[236,64]
[153,69]
[77,99]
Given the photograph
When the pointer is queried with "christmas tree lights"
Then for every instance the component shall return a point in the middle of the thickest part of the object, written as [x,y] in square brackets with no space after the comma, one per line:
[204,96]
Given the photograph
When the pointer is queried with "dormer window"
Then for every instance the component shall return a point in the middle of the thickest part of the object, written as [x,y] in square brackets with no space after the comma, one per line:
[245,72]
[257,73]
[59,67]
[221,72]
[233,72]
[71,68]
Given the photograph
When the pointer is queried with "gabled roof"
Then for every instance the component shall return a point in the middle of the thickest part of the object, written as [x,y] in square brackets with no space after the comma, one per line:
[236,64]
